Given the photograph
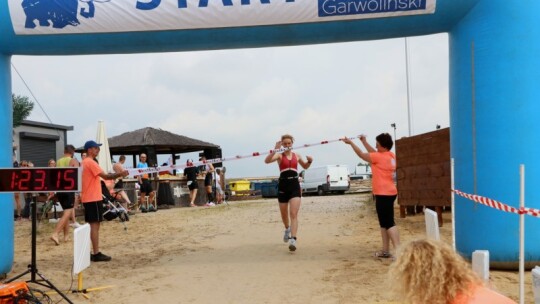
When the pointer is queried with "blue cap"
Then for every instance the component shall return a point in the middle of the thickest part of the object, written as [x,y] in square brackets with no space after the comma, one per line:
[91,144]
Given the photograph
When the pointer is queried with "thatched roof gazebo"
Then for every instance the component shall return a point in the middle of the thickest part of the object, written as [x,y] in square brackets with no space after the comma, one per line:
[156,141]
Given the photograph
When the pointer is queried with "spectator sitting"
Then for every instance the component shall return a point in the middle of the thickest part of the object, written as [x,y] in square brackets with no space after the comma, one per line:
[119,185]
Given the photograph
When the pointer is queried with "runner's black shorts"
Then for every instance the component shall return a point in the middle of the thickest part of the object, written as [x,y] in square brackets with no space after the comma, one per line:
[93,212]
[287,189]
[66,199]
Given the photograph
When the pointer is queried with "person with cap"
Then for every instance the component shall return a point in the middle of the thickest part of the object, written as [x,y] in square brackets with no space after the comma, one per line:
[191,172]
[207,171]
[91,196]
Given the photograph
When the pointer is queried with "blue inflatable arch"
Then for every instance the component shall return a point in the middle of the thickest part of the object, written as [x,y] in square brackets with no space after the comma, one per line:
[494,73]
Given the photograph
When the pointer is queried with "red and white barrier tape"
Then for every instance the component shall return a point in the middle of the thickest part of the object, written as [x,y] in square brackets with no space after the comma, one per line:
[498,205]
[139,171]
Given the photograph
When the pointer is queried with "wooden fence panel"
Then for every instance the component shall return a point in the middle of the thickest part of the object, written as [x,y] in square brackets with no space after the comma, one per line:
[423,169]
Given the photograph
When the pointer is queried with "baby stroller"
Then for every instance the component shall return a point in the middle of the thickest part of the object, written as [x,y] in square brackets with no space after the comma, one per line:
[112,207]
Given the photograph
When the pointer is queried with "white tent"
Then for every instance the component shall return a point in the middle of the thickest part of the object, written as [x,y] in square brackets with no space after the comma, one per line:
[104,157]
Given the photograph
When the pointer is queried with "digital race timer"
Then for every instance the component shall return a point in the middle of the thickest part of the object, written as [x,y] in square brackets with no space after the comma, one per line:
[40,179]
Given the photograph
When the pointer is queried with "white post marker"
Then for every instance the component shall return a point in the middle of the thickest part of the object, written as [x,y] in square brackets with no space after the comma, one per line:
[480,264]
[81,258]
[81,248]
[432,225]
[81,253]
[535,272]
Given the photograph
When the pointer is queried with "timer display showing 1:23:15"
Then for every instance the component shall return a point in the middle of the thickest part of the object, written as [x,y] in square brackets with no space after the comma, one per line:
[53,179]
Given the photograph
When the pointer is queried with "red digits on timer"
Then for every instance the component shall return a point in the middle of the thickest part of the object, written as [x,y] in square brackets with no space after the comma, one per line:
[23,182]
[13,180]
[58,179]
[39,180]
[69,180]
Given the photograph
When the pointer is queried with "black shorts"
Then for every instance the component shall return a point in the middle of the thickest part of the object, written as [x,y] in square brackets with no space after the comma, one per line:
[146,186]
[287,189]
[93,212]
[192,185]
[66,199]
[384,204]
[119,184]
[208,180]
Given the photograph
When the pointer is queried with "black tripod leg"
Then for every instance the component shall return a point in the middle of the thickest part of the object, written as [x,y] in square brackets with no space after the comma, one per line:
[32,268]
[20,275]
[50,285]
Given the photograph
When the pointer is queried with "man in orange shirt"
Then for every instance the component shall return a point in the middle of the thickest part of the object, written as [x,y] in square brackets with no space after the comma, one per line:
[383,166]
[91,196]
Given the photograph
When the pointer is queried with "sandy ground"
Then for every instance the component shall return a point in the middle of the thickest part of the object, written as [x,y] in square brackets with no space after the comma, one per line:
[235,254]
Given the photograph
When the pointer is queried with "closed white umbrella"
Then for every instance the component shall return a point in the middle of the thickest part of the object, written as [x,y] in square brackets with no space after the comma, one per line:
[104,157]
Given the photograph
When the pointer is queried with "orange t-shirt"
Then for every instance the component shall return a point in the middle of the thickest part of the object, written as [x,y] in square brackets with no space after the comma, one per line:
[383,166]
[91,182]
[482,295]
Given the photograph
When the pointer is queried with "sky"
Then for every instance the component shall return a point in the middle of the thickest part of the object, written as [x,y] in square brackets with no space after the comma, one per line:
[244,100]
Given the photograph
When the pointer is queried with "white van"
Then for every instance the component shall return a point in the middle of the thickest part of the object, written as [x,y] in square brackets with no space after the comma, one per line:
[322,180]
[362,171]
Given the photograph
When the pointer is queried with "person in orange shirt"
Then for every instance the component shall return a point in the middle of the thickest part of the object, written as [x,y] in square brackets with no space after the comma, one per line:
[428,271]
[383,166]
[91,197]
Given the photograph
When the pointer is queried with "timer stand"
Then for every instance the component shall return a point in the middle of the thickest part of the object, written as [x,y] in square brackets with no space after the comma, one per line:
[32,268]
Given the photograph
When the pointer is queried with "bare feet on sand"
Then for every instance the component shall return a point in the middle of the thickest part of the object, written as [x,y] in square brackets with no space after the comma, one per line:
[54,238]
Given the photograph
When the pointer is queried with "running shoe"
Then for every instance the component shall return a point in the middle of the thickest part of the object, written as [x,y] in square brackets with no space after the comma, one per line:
[292,244]
[287,235]
[99,257]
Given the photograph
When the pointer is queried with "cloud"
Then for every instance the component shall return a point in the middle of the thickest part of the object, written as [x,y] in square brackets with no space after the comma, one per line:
[243,100]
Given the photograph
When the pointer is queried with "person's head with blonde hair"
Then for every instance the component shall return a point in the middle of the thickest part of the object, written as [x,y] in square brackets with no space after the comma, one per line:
[287,136]
[428,271]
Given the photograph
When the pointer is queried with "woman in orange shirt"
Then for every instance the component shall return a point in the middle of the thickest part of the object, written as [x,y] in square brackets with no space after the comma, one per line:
[428,271]
[383,166]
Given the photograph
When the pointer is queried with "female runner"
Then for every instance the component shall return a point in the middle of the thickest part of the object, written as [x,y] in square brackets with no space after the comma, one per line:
[289,191]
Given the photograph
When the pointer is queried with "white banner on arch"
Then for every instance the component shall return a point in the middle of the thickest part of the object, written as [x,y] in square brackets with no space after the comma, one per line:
[38,17]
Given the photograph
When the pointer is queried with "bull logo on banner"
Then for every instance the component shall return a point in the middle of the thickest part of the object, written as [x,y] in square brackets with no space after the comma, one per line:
[60,12]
